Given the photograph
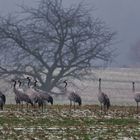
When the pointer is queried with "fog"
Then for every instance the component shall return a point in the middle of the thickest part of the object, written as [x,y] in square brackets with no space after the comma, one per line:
[120,15]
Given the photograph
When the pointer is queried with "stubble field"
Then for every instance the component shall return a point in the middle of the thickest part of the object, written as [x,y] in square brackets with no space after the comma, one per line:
[58,122]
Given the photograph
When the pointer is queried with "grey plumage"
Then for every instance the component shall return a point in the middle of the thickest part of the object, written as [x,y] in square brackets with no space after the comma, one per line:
[75,98]
[17,99]
[2,96]
[34,95]
[103,98]
[72,96]
[44,95]
[20,96]
[136,96]
[2,100]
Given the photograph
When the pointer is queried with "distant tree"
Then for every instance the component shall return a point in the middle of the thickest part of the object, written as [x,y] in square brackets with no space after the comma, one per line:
[50,43]
[135,52]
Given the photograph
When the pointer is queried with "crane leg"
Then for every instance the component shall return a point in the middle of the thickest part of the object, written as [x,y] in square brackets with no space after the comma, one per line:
[101,107]
[45,106]
[74,105]
[27,106]
[1,107]
[70,104]
[42,107]
[105,108]
[17,106]
[137,107]
[34,106]
[21,105]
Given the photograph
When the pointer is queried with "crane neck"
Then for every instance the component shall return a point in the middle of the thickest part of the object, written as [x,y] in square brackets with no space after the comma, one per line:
[35,84]
[99,86]
[14,86]
[133,86]
[29,83]
[65,88]
[65,83]
[19,83]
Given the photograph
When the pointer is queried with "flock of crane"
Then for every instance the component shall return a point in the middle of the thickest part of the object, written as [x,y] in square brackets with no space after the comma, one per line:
[32,95]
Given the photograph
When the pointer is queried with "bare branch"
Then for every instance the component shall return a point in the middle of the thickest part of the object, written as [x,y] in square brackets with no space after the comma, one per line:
[52,42]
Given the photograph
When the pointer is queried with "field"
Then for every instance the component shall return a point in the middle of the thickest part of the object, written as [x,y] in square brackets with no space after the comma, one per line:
[58,122]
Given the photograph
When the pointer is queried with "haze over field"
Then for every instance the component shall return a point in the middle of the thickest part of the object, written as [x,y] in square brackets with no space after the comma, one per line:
[116,82]
[121,15]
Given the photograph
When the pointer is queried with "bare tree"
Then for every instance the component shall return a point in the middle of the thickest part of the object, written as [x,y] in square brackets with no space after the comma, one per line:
[134,53]
[51,42]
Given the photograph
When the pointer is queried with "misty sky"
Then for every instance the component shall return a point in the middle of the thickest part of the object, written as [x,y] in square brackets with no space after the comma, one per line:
[121,15]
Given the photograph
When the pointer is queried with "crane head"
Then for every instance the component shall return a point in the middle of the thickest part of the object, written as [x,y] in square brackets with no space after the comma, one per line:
[13,80]
[35,82]
[133,83]
[19,83]
[65,83]
[28,78]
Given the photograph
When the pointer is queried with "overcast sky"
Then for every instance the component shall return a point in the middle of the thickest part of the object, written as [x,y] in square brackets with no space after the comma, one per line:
[121,15]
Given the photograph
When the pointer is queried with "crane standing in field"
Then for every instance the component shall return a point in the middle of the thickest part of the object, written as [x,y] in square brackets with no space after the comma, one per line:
[72,96]
[20,96]
[136,96]
[2,100]
[103,98]
[33,94]
[44,95]
[17,98]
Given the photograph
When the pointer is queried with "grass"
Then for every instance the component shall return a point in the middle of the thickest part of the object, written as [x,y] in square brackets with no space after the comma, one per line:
[127,121]
[84,123]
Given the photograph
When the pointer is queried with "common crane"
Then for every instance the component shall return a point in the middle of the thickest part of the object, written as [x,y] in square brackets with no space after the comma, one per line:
[103,98]
[20,96]
[2,100]
[72,96]
[136,96]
